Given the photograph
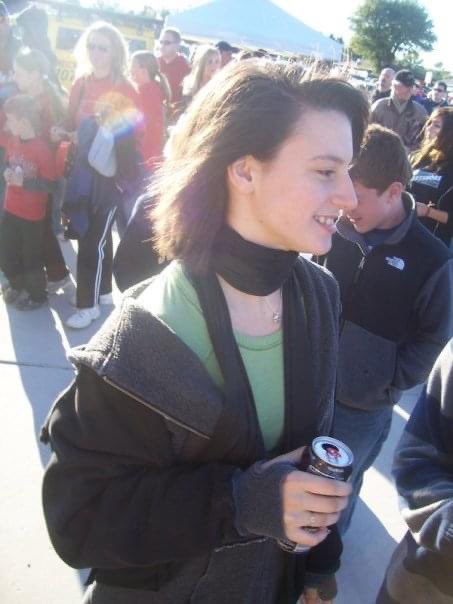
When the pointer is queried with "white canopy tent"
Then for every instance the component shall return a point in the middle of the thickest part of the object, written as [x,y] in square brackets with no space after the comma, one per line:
[254,24]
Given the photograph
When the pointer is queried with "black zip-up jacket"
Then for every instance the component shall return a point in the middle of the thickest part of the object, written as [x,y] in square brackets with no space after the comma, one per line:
[138,487]
[397,310]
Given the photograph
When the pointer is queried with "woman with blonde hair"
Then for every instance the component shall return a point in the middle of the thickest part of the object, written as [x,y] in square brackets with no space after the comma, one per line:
[101,87]
[432,180]
[176,452]
[206,62]
[154,95]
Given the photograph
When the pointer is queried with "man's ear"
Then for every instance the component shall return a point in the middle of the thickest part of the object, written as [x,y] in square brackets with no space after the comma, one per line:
[395,191]
[240,175]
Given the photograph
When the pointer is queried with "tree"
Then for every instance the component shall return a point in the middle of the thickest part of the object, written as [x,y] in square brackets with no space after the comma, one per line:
[338,39]
[384,28]
[411,60]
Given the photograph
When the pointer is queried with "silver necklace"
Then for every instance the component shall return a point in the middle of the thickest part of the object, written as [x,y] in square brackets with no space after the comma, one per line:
[276,314]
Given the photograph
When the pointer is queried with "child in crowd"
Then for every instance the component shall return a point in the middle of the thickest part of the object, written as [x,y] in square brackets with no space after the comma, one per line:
[31,69]
[396,291]
[30,177]
[154,93]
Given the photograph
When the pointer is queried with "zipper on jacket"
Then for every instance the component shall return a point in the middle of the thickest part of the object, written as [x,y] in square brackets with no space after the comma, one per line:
[158,411]
[358,271]
[355,280]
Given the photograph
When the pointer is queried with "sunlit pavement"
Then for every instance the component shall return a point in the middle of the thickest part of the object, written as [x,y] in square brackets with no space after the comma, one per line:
[33,370]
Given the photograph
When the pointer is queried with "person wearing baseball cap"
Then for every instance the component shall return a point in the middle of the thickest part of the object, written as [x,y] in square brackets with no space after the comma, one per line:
[226,51]
[399,112]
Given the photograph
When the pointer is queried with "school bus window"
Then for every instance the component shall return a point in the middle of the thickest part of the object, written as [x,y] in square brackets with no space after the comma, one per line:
[136,45]
[67,38]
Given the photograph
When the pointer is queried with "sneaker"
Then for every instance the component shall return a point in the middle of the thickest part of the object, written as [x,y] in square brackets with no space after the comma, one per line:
[29,304]
[83,317]
[54,287]
[10,295]
[106,299]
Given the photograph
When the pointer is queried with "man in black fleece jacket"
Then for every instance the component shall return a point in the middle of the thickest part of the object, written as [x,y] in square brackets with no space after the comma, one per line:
[396,290]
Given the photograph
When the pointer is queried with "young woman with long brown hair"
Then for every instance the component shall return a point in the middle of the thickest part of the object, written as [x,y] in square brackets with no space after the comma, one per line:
[432,181]
[174,471]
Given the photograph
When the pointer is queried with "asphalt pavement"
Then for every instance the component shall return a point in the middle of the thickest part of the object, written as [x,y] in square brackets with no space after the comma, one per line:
[33,370]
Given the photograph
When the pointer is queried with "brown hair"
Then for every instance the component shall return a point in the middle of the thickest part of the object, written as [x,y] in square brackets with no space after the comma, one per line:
[148,61]
[34,60]
[250,108]
[23,106]
[382,160]
[436,152]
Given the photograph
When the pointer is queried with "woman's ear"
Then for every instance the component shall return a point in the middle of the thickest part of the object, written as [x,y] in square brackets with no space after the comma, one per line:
[240,175]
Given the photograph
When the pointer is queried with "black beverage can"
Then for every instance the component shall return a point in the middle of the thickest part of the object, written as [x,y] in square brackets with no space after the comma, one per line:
[326,457]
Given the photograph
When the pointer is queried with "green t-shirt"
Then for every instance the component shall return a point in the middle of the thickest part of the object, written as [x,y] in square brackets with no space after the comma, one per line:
[172,298]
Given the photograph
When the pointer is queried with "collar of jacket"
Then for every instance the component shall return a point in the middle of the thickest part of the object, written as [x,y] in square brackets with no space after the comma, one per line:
[138,354]
[347,231]
[408,108]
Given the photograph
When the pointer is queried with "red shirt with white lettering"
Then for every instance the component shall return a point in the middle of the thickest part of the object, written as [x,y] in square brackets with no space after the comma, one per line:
[37,161]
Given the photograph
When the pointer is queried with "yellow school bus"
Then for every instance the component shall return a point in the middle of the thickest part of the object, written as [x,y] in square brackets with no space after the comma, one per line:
[67,21]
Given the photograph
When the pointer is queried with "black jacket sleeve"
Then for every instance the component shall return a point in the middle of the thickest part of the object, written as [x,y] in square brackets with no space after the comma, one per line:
[135,259]
[115,497]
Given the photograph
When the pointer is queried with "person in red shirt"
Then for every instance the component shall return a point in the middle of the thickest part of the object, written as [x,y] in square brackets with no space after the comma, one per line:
[31,69]
[154,92]
[101,86]
[30,177]
[172,64]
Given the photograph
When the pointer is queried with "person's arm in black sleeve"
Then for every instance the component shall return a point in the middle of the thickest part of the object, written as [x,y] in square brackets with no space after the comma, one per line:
[114,497]
[135,259]
[323,561]
[416,356]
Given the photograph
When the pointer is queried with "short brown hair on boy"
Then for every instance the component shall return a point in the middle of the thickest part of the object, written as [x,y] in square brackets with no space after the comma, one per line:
[382,160]
[23,106]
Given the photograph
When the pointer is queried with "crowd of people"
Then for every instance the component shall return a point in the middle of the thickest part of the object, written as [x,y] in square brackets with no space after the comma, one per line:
[177,450]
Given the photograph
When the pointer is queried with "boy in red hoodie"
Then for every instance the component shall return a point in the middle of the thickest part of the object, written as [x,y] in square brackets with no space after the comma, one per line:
[30,177]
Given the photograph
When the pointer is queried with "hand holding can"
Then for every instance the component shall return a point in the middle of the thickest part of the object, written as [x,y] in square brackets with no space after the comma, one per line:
[314,497]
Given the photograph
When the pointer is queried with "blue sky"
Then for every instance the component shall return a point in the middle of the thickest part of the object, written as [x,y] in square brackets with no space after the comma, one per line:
[331,16]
